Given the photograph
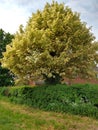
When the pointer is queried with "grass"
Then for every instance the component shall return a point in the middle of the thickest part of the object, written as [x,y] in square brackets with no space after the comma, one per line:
[20,117]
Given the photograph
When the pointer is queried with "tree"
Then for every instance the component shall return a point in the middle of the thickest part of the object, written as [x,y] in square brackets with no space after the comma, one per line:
[6,78]
[54,43]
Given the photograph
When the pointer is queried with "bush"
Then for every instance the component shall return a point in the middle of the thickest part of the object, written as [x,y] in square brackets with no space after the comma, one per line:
[76,99]
[4,91]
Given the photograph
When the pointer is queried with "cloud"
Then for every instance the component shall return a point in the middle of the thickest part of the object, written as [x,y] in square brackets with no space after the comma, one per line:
[33,5]
[11,16]
[88,10]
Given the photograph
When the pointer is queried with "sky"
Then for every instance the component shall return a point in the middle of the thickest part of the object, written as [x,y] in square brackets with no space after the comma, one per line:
[16,12]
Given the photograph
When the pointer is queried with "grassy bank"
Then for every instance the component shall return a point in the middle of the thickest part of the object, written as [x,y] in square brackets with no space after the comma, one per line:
[22,117]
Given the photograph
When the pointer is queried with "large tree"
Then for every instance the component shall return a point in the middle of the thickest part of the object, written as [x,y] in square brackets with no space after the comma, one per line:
[6,78]
[54,44]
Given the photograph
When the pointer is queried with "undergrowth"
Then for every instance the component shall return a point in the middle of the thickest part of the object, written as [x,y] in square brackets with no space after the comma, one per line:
[75,99]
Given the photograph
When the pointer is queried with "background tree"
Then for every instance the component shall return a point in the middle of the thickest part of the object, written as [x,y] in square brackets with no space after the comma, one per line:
[6,78]
[54,44]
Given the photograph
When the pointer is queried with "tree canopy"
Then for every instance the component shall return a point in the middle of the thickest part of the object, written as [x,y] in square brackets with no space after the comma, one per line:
[6,78]
[55,43]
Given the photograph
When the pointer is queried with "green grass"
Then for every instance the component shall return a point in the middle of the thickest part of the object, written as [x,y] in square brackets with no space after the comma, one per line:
[20,117]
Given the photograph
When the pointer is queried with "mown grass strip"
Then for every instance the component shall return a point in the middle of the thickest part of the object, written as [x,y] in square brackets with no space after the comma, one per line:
[19,117]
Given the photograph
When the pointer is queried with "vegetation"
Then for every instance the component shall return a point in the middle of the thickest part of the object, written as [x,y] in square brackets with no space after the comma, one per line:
[6,77]
[77,99]
[55,43]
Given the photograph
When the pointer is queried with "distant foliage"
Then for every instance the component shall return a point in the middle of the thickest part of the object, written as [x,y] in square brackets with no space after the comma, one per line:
[54,43]
[6,77]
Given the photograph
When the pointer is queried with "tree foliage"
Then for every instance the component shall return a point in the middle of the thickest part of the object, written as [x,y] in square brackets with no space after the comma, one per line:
[54,43]
[6,78]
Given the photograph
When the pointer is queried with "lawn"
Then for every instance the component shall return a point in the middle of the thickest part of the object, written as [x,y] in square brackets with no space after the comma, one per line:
[20,117]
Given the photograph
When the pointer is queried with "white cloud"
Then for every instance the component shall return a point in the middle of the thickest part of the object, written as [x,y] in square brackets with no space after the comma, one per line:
[88,10]
[11,17]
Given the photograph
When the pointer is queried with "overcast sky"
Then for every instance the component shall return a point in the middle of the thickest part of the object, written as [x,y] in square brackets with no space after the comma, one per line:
[16,12]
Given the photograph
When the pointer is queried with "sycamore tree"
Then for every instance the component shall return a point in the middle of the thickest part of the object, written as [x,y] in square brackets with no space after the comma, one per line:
[54,44]
[6,77]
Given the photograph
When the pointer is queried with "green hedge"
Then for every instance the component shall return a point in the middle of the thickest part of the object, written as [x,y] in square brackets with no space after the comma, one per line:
[76,99]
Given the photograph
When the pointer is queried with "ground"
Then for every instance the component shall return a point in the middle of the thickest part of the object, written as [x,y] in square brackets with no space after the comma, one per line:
[22,117]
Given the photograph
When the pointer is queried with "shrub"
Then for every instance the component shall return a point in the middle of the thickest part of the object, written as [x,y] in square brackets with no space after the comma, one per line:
[76,99]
